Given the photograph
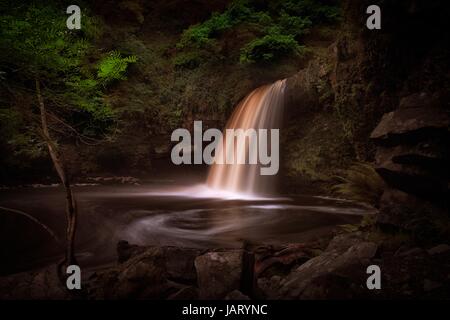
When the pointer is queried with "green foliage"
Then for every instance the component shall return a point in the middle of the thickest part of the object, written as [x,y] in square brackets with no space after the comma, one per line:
[261,18]
[113,67]
[278,27]
[240,10]
[195,35]
[360,183]
[36,41]
[270,47]
[293,25]
[317,11]
[200,35]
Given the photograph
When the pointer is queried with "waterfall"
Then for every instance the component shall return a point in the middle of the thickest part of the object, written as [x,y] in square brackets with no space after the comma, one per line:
[261,109]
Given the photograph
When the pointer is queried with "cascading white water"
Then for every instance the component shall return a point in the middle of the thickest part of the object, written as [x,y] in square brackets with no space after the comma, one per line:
[261,109]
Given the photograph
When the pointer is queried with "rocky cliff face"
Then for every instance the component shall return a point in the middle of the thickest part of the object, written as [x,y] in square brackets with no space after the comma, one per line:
[412,140]
[388,93]
[412,157]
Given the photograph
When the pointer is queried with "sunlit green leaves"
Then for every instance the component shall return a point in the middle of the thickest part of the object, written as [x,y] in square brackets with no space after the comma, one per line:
[113,67]
[36,41]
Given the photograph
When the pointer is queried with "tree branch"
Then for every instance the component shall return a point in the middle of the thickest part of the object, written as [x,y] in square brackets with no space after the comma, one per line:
[45,227]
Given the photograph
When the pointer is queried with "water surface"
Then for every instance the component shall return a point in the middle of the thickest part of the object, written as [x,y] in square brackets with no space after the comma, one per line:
[159,214]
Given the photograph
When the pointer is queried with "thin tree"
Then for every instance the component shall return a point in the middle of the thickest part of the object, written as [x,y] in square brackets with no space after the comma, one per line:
[59,165]
[39,56]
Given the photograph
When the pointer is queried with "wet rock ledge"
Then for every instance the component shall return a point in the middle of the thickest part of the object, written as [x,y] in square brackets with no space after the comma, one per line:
[333,270]
[336,270]
[291,271]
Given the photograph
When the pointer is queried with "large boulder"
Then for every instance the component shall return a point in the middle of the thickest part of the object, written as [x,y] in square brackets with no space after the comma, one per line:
[219,273]
[140,277]
[147,273]
[178,261]
[333,274]
[269,259]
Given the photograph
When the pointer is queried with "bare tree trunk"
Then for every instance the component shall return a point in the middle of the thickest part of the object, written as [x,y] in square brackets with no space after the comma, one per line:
[71,208]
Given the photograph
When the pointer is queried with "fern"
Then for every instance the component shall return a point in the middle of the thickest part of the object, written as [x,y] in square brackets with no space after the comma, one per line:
[360,183]
[270,47]
[113,67]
